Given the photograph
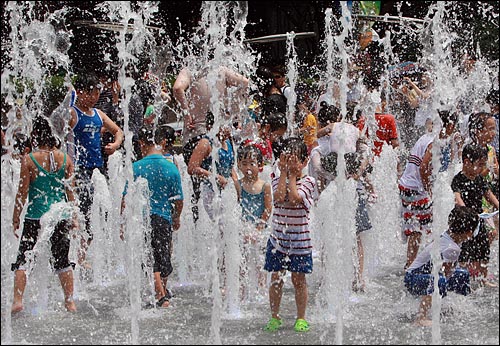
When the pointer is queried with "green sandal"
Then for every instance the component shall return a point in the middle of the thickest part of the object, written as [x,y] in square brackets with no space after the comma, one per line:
[301,325]
[273,325]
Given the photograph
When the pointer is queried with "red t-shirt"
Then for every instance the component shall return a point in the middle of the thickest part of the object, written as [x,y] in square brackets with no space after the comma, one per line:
[264,147]
[386,131]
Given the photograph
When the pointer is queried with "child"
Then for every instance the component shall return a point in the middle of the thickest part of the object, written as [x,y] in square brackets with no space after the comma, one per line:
[289,246]
[169,143]
[255,198]
[469,187]
[46,177]
[87,123]
[419,279]
[415,185]
[166,203]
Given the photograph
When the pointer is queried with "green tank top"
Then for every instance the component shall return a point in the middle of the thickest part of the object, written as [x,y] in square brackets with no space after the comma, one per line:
[47,189]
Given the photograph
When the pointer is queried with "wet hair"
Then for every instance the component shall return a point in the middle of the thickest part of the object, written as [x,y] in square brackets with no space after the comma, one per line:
[352,114]
[448,117]
[147,134]
[265,79]
[86,82]
[273,103]
[296,146]
[462,219]
[41,133]
[476,124]
[328,113]
[165,132]
[21,143]
[276,121]
[473,152]
[250,152]
[280,69]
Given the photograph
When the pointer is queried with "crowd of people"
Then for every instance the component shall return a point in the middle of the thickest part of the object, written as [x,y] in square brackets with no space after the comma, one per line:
[305,157]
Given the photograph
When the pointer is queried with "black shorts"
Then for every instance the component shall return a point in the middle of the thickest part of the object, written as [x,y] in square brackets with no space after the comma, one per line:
[59,242]
[476,249]
[161,242]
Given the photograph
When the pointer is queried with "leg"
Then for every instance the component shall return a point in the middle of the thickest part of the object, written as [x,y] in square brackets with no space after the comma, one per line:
[358,280]
[160,289]
[19,287]
[424,308]
[413,246]
[66,279]
[301,294]
[275,293]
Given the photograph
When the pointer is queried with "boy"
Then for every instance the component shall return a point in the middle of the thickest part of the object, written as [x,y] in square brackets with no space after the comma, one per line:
[166,203]
[87,124]
[419,280]
[289,246]
[469,187]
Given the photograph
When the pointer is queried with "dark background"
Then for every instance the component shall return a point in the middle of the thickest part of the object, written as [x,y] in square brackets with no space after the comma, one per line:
[267,18]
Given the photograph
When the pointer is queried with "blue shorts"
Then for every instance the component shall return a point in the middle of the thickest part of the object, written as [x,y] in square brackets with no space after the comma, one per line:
[277,261]
[421,284]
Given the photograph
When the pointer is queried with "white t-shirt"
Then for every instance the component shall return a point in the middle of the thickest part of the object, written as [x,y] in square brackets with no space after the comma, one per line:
[447,247]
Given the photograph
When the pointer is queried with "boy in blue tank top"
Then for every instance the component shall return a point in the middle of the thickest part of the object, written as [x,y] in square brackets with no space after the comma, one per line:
[86,124]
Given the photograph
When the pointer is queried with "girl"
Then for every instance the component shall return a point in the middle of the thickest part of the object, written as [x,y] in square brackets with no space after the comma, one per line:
[255,198]
[46,178]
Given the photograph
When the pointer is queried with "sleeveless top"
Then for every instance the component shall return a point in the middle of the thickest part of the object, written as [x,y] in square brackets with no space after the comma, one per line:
[225,162]
[87,137]
[252,205]
[47,189]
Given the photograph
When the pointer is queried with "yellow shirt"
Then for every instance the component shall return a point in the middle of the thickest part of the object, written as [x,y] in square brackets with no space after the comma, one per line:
[311,127]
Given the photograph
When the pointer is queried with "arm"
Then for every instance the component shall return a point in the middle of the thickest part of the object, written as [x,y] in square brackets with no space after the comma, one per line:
[110,125]
[426,170]
[295,170]
[122,208]
[491,198]
[22,194]
[448,269]
[179,90]
[280,193]
[200,152]
[458,199]
[176,214]
[268,206]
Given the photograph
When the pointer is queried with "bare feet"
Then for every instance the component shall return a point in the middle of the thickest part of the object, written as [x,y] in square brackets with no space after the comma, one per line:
[16,307]
[70,305]
[423,322]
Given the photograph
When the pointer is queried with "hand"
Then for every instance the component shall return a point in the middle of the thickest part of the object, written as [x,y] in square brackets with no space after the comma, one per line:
[221,181]
[283,163]
[176,223]
[110,148]
[294,165]
[189,121]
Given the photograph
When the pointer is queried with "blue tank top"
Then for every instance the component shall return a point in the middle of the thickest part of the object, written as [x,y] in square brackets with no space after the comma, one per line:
[87,133]
[226,160]
[252,205]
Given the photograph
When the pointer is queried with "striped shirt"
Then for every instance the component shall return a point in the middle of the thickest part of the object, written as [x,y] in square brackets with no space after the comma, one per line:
[290,223]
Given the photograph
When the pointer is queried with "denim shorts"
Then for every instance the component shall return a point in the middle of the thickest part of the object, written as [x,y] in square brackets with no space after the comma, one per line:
[421,284]
[277,261]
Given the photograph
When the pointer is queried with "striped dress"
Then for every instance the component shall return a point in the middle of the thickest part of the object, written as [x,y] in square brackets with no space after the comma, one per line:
[290,223]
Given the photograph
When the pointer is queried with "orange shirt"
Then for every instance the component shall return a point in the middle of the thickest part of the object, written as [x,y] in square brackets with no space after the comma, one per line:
[310,136]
